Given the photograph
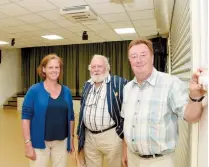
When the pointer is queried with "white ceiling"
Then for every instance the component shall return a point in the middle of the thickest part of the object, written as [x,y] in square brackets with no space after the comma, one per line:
[28,20]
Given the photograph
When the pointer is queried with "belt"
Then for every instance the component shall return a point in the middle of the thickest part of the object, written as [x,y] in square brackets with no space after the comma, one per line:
[100,131]
[151,156]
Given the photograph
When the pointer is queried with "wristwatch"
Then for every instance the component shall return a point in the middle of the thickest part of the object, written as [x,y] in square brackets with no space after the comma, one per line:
[196,100]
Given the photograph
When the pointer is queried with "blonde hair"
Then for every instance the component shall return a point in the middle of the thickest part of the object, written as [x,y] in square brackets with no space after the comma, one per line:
[142,41]
[45,61]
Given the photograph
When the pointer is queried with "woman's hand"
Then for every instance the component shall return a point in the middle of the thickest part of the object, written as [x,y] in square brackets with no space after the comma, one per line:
[30,152]
[72,148]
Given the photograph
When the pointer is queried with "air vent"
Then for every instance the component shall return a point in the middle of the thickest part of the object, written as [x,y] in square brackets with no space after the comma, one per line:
[79,13]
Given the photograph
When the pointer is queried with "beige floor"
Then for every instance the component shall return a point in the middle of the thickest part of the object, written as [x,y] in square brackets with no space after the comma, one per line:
[11,141]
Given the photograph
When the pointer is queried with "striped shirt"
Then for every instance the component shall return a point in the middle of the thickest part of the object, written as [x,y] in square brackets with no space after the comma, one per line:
[151,111]
[96,115]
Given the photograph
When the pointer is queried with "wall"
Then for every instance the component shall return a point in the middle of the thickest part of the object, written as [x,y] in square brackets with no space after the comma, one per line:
[10,74]
[180,65]
[188,43]
[203,137]
[199,23]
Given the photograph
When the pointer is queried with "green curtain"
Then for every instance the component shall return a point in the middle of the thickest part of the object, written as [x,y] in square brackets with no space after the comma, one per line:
[76,59]
[118,58]
[85,52]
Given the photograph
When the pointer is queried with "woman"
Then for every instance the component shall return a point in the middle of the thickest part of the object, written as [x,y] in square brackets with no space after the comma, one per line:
[48,117]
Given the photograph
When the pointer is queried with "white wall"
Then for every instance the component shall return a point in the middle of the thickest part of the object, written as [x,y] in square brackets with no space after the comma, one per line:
[203,137]
[10,74]
[200,43]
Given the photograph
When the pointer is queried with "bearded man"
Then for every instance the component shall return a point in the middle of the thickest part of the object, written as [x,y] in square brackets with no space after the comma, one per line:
[100,128]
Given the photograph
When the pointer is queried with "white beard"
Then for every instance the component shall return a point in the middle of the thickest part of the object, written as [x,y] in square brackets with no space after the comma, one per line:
[99,78]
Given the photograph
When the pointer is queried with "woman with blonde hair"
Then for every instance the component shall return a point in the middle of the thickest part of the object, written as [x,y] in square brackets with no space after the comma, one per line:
[48,117]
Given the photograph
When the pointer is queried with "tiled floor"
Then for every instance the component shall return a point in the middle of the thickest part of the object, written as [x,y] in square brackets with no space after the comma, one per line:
[11,141]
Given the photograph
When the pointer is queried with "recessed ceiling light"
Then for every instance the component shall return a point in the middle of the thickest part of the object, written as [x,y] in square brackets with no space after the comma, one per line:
[52,37]
[3,42]
[125,30]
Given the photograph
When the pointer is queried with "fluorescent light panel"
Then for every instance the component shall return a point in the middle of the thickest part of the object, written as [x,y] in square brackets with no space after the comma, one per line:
[125,30]
[52,37]
[3,42]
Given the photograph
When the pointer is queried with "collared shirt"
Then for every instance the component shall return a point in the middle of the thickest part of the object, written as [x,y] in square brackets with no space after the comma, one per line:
[96,115]
[151,111]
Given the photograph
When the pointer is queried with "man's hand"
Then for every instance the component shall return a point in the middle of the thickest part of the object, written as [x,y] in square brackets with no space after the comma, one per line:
[124,155]
[196,89]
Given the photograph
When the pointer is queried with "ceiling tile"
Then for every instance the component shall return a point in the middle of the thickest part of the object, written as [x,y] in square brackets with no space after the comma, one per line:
[66,23]
[11,22]
[112,38]
[58,42]
[4,2]
[66,3]
[146,31]
[103,35]
[107,8]
[78,29]
[98,27]
[47,25]
[12,9]
[2,16]
[36,5]
[115,17]
[38,39]
[70,35]
[42,32]
[96,1]
[14,0]
[29,28]
[12,29]
[21,34]
[3,36]
[105,32]
[97,40]
[145,14]
[127,24]
[31,18]
[59,31]
[129,36]
[148,34]
[139,5]
[52,15]
[148,28]
[144,22]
